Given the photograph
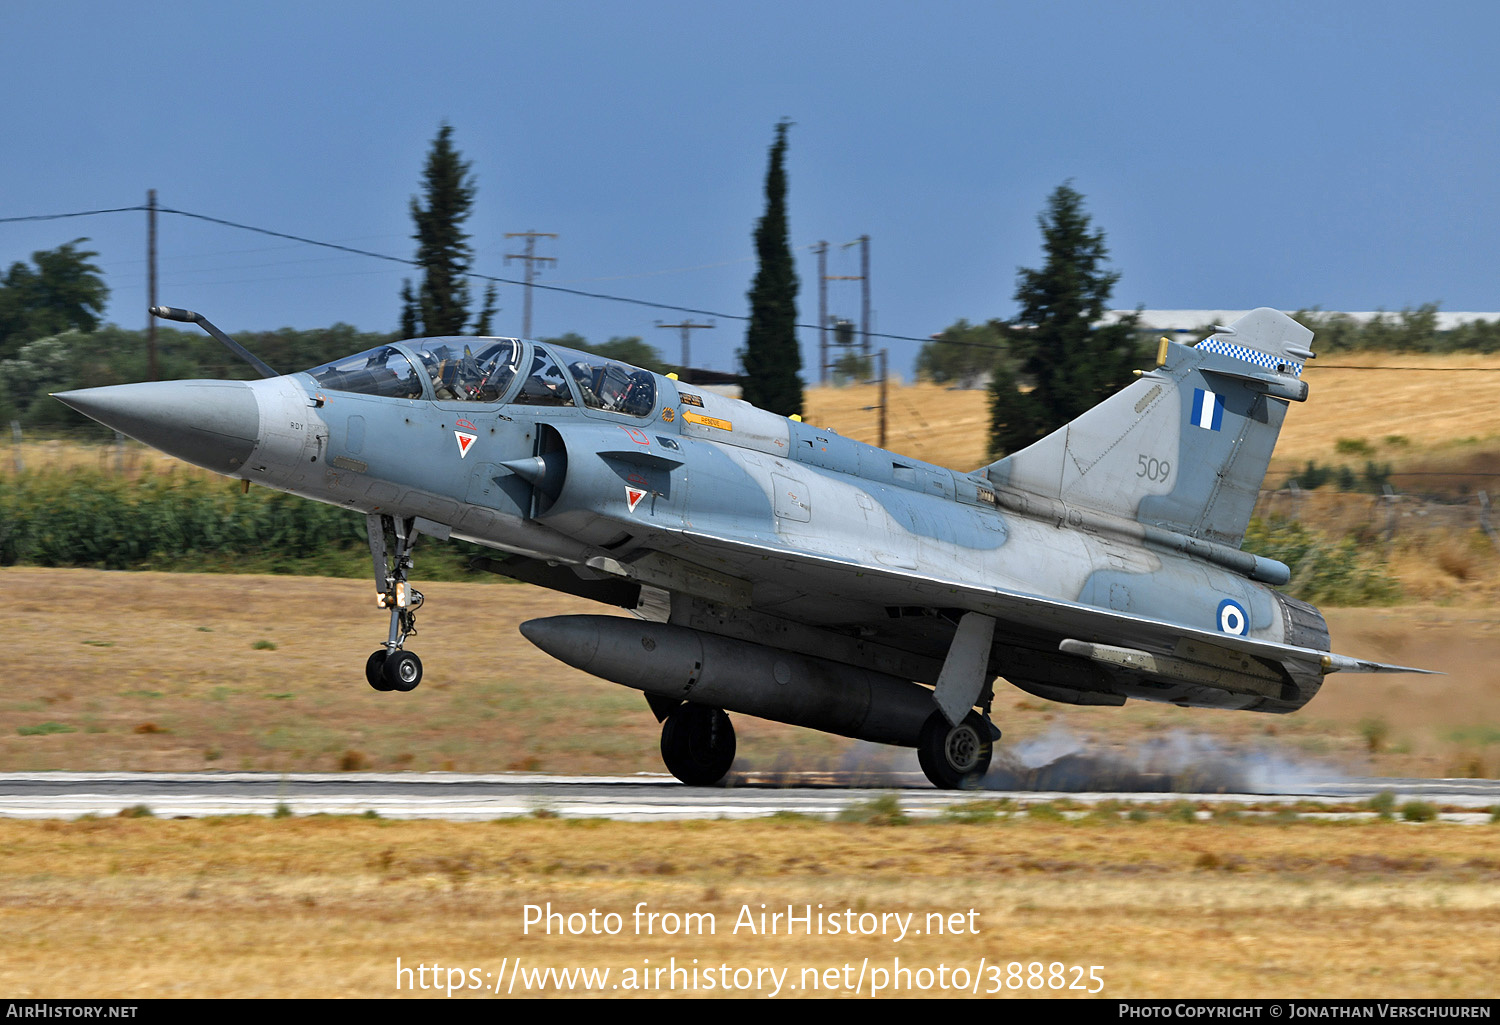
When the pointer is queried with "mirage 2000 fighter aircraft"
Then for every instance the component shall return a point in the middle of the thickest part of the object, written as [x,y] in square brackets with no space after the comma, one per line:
[779,570]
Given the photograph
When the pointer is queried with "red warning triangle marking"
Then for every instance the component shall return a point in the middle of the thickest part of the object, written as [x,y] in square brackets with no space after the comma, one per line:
[633,497]
[465,442]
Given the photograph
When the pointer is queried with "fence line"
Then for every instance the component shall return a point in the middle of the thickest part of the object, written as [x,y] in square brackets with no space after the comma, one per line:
[1392,511]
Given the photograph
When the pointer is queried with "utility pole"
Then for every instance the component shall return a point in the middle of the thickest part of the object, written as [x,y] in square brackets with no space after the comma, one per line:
[863,277]
[864,289]
[151,281]
[822,250]
[531,259]
[884,397]
[687,327]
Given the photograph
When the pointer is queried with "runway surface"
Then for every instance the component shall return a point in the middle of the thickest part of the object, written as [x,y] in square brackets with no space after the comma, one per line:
[642,797]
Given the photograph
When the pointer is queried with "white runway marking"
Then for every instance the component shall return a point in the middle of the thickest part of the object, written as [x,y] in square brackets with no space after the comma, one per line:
[643,797]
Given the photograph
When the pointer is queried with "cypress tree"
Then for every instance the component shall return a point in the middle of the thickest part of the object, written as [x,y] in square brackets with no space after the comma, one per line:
[482,326]
[771,357]
[1056,343]
[443,250]
[411,326]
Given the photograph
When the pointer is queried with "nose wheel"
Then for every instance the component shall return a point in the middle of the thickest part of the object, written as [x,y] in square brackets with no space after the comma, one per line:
[402,672]
[374,667]
[391,539]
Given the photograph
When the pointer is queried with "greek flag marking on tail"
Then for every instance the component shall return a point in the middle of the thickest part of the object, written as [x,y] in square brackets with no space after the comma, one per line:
[1208,409]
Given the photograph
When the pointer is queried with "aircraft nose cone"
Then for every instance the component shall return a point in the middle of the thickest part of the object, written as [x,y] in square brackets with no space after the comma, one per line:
[213,424]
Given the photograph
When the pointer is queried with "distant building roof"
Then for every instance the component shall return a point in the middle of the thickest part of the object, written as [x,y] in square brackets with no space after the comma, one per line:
[1183,321]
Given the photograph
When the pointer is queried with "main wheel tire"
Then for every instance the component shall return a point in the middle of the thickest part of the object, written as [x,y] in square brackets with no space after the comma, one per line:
[697,743]
[955,757]
[924,761]
[402,670]
[373,670]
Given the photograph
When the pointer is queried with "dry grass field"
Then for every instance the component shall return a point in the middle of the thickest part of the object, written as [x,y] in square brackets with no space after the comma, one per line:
[161,671]
[321,907]
[150,671]
[1429,412]
[1436,412]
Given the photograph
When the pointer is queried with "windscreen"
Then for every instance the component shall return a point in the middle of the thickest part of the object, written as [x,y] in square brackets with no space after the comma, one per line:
[469,369]
[608,384]
[382,371]
[465,369]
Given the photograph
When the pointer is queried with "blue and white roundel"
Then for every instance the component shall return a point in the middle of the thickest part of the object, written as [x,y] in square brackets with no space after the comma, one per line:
[1232,618]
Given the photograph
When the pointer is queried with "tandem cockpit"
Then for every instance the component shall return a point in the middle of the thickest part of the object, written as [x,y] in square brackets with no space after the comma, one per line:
[493,370]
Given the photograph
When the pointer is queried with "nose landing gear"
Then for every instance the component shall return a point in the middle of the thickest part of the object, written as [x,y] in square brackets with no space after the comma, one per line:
[392,667]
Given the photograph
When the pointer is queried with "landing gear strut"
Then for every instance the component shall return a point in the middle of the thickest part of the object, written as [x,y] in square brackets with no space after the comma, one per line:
[955,757]
[697,743]
[391,667]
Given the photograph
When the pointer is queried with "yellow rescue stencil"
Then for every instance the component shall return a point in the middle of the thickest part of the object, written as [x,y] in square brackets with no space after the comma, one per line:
[707,421]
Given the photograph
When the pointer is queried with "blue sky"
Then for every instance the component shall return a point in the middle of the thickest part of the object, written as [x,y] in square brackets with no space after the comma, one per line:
[1235,154]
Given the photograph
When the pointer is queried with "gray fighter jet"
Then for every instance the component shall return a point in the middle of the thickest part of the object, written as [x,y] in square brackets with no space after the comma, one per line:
[780,570]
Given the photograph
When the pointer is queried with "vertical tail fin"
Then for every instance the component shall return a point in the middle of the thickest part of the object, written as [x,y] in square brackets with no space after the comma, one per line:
[1185,446]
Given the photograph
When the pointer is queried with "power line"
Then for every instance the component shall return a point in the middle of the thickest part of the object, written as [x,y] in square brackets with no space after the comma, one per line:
[413,263]
[507,281]
[1424,370]
[80,213]
[669,270]
[576,291]
[1293,474]
[490,277]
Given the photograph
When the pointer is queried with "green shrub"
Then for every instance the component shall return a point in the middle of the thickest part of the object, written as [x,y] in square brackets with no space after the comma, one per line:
[1045,811]
[1375,731]
[43,729]
[1323,570]
[971,812]
[1313,476]
[188,521]
[1376,476]
[1182,811]
[1372,479]
[884,810]
[1418,811]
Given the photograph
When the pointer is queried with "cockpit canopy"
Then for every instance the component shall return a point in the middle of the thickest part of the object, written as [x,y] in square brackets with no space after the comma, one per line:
[602,383]
[483,370]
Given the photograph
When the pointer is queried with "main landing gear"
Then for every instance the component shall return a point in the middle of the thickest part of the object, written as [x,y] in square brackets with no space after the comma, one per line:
[391,667]
[697,743]
[955,757]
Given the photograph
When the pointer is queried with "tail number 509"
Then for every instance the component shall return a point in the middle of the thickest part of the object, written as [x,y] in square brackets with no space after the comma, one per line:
[1154,469]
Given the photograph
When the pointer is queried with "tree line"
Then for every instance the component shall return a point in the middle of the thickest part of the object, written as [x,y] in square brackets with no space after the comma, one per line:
[963,354]
[1414,329]
[1057,359]
[1052,361]
[110,354]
